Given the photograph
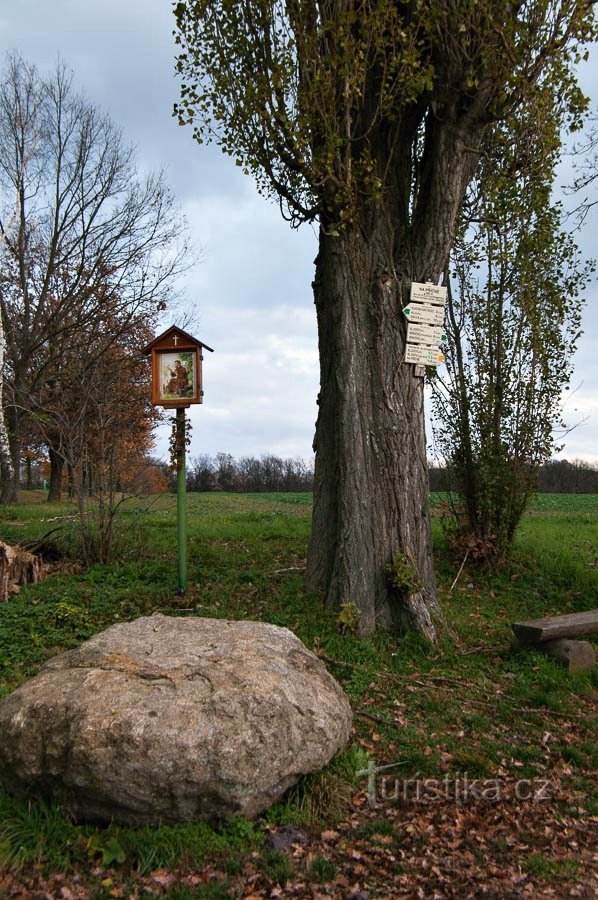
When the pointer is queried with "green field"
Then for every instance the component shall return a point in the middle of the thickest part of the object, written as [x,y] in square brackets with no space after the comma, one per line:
[553,503]
[565,503]
[469,707]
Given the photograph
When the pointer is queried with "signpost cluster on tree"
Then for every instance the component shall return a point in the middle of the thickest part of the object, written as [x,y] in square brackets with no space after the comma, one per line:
[425,317]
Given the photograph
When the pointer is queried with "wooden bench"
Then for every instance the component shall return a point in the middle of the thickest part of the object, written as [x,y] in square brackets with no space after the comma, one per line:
[555,636]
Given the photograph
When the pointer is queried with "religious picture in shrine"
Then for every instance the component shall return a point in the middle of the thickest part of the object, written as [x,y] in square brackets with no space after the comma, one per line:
[178,378]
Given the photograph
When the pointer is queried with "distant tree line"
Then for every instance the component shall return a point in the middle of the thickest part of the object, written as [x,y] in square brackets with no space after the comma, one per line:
[555,477]
[272,474]
[248,474]
[563,477]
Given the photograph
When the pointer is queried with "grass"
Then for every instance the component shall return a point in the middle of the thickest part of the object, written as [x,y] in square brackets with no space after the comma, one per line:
[552,869]
[470,705]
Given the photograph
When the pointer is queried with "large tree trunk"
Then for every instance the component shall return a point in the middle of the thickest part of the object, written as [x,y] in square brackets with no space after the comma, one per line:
[6,469]
[371,480]
[10,474]
[56,470]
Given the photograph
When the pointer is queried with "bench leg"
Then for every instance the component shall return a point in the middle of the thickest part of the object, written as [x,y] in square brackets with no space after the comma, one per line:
[577,656]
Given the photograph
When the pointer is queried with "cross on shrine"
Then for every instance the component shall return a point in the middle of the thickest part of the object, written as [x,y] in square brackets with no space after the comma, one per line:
[175,340]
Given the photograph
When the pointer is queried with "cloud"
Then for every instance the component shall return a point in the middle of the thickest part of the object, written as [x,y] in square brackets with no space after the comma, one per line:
[251,293]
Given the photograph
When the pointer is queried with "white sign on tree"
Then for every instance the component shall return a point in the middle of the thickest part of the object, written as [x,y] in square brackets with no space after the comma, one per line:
[425,334]
[425,316]
[427,293]
[424,313]
[423,355]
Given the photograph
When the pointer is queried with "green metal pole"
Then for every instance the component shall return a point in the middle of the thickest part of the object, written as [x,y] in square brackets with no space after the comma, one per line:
[181,499]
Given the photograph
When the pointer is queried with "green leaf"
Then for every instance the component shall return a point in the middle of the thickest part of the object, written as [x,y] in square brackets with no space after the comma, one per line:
[112,852]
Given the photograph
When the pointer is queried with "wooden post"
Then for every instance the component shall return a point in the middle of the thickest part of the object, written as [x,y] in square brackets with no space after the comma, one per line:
[181,504]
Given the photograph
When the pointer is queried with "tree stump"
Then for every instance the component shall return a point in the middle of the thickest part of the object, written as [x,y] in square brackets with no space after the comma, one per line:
[17,567]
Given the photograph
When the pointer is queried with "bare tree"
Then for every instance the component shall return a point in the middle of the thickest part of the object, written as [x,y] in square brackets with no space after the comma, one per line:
[81,231]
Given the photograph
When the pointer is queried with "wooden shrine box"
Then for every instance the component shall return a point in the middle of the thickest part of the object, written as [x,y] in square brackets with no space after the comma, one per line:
[176,368]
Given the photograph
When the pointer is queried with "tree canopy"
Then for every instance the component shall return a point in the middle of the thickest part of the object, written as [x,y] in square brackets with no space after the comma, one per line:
[299,93]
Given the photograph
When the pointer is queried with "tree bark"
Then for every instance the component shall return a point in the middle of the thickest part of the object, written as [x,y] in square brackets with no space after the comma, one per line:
[6,469]
[56,470]
[10,473]
[371,480]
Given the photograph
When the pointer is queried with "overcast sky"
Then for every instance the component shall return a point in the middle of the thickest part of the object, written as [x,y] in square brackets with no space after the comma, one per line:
[251,291]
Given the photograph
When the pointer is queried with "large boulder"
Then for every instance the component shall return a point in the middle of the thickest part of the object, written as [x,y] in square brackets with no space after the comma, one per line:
[164,720]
